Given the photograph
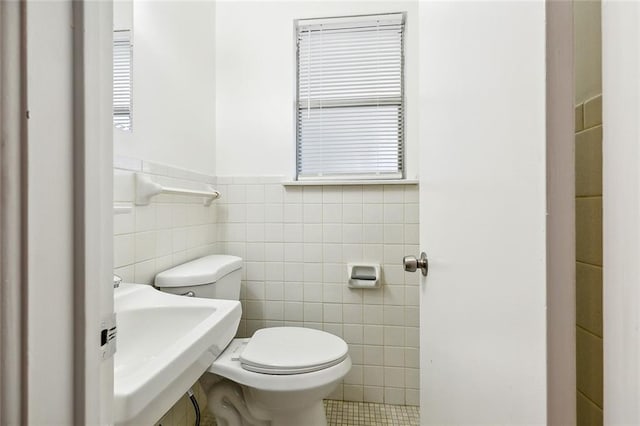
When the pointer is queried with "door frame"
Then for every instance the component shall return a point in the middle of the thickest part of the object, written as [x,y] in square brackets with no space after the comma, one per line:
[73,189]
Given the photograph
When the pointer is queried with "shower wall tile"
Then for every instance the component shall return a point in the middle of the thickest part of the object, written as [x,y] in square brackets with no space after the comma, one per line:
[296,242]
[589,262]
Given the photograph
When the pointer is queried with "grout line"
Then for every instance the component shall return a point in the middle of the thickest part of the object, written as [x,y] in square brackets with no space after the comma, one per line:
[582,197]
[589,332]
[589,399]
[590,264]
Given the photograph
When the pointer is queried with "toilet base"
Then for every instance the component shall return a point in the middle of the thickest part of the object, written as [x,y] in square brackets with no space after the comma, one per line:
[237,405]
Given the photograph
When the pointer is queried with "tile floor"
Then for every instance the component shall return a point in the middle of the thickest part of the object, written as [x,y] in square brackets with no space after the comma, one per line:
[348,413]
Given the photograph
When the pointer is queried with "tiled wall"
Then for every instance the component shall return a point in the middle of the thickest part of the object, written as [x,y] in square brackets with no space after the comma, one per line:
[589,261]
[169,231]
[296,242]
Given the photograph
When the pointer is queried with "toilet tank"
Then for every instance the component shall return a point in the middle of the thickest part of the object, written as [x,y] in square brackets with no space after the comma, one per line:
[214,277]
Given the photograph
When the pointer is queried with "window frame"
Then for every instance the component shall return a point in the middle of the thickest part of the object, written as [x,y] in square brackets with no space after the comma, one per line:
[402,142]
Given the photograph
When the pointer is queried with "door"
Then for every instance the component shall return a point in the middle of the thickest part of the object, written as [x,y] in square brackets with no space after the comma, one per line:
[483,212]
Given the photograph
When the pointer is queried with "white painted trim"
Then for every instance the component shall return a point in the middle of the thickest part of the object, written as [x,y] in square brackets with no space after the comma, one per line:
[350,182]
[13,389]
[621,210]
[94,207]
[561,339]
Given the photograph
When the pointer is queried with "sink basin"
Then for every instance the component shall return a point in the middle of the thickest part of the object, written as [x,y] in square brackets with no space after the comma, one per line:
[165,343]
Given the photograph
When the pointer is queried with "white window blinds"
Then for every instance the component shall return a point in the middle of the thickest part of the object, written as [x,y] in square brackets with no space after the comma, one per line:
[350,103]
[122,88]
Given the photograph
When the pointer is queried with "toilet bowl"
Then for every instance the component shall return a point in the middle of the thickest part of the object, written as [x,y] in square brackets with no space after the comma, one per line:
[280,375]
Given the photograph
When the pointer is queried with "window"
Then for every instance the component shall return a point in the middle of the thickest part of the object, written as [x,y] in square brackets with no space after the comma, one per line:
[350,100]
[122,88]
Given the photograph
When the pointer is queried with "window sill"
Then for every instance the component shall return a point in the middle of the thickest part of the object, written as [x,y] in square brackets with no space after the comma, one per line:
[350,182]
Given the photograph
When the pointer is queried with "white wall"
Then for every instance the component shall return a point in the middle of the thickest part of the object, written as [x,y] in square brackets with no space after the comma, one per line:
[588,49]
[173,86]
[255,73]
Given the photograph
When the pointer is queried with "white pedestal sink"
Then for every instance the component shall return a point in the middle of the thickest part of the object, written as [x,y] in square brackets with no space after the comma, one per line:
[165,343]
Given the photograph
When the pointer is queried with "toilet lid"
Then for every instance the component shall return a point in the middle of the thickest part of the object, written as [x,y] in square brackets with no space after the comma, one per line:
[292,350]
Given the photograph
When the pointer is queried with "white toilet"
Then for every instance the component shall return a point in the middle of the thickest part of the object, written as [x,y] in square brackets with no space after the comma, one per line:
[279,376]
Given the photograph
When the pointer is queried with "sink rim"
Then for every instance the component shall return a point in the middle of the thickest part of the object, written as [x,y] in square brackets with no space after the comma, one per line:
[136,389]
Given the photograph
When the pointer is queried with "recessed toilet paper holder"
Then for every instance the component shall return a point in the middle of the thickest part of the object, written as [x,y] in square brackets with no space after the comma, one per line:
[364,275]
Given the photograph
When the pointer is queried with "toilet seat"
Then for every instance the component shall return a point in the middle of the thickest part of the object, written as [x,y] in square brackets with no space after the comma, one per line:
[292,350]
[228,366]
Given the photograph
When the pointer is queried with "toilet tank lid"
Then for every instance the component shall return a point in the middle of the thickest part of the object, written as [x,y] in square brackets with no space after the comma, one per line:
[204,270]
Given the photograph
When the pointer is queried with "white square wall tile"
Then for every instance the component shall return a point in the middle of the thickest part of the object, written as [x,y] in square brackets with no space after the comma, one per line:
[373,335]
[312,194]
[373,213]
[312,233]
[293,252]
[313,312]
[313,253]
[273,252]
[273,193]
[274,290]
[373,375]
[332,293]
[332,233]
[411,213]
[293,291]
[373,194]
[393,234]
[354,376]
[394,396]
[145,272]
[393,213]
[352,194]
[313,292]
[394,377]
[312,213]
[312,272]
[393,356]
[145,246]
[373,355]
[293,194]
[332,312]
[123,250]
[352,313]
[293,311]
[332,194]
[124,223]
[274,310]
[393,194]
[273,232]
[373,394]
[411,194]
[352,213]
[352,233]
[331,253]
[145,218]
[255,193]
[273,213]
[255,213]
[293,272]
[353,393]
[293,233]
[332,213]
[274,271]
[353,333]
[164,243]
